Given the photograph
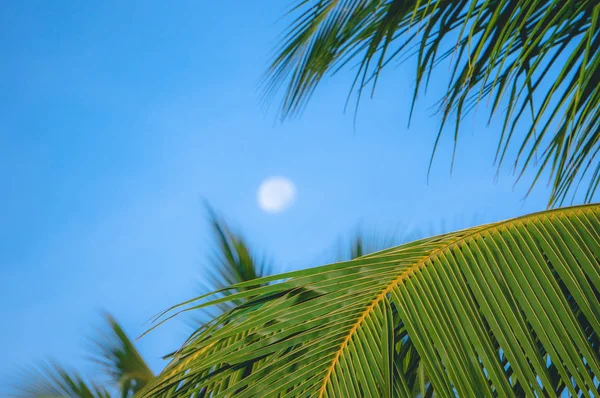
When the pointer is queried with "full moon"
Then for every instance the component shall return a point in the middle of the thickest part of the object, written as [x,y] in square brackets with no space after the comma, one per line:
[276,194]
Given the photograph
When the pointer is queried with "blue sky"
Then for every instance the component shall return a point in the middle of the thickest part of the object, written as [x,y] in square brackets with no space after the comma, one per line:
[119,118]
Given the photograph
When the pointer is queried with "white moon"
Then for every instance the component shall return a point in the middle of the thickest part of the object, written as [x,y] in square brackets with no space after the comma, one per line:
[276,194]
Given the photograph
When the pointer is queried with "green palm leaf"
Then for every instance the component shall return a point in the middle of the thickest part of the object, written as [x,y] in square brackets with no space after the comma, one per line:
[113,351]
[120,360]
[232,260]
[505,309]
[536,58]
[53,381]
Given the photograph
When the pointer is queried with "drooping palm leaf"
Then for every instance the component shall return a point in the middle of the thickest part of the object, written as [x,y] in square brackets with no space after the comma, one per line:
[539,59]
[120,359]
[53,381]
[510,308]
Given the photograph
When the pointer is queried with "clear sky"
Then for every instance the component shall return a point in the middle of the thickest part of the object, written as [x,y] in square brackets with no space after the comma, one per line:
[119,117]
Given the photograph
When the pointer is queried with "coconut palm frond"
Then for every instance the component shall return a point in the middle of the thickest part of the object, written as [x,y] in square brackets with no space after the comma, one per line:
[232,260]
[54,381]
[505,309]
[120,360]
[537,60]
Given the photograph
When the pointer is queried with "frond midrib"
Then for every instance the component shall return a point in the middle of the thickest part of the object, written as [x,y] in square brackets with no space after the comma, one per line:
[422,263]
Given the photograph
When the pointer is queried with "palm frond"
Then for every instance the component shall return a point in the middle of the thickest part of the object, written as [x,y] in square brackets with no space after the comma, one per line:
[539,59]
[53,381]
[505,309]
[120,360]
[232,259]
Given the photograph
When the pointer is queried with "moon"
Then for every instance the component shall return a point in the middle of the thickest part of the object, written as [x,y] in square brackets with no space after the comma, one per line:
[276,194]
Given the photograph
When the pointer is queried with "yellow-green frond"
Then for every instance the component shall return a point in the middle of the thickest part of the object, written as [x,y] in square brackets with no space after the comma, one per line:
[505,309]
